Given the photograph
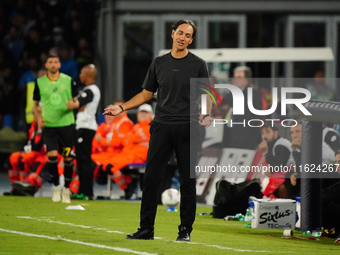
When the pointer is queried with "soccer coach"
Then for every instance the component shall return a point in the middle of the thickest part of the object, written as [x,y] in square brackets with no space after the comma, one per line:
[170,130]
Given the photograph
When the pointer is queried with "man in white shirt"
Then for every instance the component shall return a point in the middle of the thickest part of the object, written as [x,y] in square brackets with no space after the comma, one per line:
[86,125]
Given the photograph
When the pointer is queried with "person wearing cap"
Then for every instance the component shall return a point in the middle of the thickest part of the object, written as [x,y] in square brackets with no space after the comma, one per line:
[21,163]
[86,102]
[134,151]
[243,72]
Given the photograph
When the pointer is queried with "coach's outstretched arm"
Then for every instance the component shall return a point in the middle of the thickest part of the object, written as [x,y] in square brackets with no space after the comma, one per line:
[137,100]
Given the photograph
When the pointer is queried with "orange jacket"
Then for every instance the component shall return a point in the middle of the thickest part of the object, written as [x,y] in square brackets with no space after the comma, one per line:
[103,129]
[113,135]
[120,130]
[140,135]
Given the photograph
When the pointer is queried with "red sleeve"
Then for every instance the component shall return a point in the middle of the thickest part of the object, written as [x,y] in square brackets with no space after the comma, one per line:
[31,131]
[102,130]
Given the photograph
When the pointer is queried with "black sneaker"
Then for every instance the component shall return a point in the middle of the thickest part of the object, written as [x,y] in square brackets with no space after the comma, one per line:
[183,235]
[25,187]
[143,234]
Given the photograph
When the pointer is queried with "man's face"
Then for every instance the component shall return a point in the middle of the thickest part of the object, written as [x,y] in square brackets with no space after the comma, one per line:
[143,116]
[269,134]
[53,65]
[182,37]
[109,119]
[239,80]
[239,75]
[295,132]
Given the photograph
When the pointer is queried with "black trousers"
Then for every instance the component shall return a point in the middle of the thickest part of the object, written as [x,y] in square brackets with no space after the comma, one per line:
[83,146]
[164,139]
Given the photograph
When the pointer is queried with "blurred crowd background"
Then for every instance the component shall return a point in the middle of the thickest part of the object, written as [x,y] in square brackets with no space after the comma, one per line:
[29,31]
[122,37]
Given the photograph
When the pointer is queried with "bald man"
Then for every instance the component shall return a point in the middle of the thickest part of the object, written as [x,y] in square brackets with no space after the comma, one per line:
[86,125]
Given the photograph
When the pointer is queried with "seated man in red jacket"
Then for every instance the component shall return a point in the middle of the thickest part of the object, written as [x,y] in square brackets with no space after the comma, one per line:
[40,175]
[21,163]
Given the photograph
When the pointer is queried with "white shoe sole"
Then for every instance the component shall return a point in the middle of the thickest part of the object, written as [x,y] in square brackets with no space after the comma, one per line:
[56,196]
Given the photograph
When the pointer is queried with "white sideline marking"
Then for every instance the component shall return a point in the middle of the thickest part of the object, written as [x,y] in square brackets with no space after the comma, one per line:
[77,242]
[158,238]
[234,249]
[71,224]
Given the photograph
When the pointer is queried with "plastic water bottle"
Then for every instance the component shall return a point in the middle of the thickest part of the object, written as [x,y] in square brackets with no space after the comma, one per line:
[307,233]
[240,217]
[316,233]
[248,217]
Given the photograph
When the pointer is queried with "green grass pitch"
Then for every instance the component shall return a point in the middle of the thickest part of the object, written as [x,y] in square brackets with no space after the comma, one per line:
[39,226]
